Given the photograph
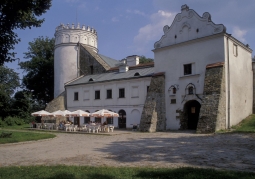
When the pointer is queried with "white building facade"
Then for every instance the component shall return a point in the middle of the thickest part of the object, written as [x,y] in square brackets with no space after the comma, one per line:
[123,92]
[201,78]
[183,53]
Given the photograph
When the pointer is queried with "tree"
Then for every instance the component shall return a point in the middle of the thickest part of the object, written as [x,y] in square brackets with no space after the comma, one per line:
[39,79]
[18,14]
[23,105]
[143,59]
[9,81]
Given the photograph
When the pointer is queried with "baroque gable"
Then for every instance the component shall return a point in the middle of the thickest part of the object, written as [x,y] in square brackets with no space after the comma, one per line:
[188,25]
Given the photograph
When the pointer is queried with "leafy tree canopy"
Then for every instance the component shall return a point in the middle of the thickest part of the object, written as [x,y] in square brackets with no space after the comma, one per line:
[18,14]
[9,81]
[143,59]
[40,69]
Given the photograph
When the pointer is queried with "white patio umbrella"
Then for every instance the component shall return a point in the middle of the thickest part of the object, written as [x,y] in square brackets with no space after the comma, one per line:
[78,113]
[41,113]
[104,113]
[60,113]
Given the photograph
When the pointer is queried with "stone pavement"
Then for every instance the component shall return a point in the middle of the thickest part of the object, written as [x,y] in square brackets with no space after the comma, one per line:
[127,148]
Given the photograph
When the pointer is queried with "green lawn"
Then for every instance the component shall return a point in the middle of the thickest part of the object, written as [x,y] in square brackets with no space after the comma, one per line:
[20,136]
[82,172]
[247,125]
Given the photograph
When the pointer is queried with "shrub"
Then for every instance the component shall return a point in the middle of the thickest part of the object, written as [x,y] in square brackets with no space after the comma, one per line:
[12,121]
[2,123]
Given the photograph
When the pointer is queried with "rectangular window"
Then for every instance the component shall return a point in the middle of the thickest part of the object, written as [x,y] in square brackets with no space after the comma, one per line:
[187,69]
[109,94]
[76,96]
[148,87]
[98,120]
[86,120]
[109,120]
[235,52]
[97,94]
[122,93]
[173,101]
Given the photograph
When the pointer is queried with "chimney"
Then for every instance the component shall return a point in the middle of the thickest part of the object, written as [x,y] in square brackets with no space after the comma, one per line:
[123,68]
[132,60]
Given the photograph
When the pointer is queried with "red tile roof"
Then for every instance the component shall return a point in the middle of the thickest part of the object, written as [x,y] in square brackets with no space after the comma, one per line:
[213,65]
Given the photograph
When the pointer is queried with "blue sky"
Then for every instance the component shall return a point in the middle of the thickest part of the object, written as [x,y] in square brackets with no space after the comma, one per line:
[131,27]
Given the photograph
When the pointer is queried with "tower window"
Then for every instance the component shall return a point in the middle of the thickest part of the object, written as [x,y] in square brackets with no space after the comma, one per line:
[76,96]
[235,50]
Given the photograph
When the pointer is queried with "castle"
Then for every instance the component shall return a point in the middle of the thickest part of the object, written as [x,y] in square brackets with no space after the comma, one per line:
[196,81]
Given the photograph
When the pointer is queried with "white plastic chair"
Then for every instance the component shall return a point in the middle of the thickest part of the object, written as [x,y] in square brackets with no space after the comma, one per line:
[111,128]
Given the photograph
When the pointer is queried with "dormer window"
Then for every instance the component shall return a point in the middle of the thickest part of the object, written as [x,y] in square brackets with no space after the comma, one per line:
[137,74]
[91,79]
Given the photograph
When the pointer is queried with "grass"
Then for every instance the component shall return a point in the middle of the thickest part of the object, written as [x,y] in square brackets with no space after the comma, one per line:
[247,125]
[18,136]
[84,172]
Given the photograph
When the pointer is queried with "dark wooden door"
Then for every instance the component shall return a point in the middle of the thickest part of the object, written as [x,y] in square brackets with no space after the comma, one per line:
[193,114]
[122,119]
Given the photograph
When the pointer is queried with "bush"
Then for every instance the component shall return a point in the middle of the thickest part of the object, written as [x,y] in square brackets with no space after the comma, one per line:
[2,123]
[12,121]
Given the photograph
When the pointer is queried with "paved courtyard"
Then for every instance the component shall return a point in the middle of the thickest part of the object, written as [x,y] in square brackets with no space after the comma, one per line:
[126,148]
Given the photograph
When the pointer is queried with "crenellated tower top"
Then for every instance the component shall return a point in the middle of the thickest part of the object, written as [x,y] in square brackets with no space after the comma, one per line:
[70,34]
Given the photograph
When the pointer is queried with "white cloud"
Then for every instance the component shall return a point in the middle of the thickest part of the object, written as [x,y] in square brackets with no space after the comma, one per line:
[152,32]
[72,1]
[239,34]
[115,19]
[136,12]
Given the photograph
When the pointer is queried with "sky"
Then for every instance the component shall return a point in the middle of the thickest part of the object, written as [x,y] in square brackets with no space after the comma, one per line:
[131,27]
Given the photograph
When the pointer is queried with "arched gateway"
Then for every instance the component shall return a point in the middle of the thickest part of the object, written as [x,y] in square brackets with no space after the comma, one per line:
[191,111]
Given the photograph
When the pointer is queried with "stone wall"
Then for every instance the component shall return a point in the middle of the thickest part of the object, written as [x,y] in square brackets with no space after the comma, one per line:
[88,58]
[253,70]
[59,103]
[213,106]
[154,113]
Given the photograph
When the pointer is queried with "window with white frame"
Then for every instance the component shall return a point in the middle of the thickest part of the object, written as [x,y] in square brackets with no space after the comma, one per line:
[97,94]
[187,69]
[109,94]
[122,93]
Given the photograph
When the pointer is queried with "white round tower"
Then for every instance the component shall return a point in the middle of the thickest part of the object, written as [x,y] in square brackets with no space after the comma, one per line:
[66,52]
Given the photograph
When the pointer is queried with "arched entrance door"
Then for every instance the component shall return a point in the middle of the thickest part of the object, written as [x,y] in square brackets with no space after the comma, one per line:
[192,109]
[122,119]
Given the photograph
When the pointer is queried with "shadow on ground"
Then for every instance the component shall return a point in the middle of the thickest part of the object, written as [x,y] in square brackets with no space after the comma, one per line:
[232,151]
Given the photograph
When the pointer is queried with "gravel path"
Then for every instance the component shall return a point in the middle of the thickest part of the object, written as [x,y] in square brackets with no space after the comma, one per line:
[162,149]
